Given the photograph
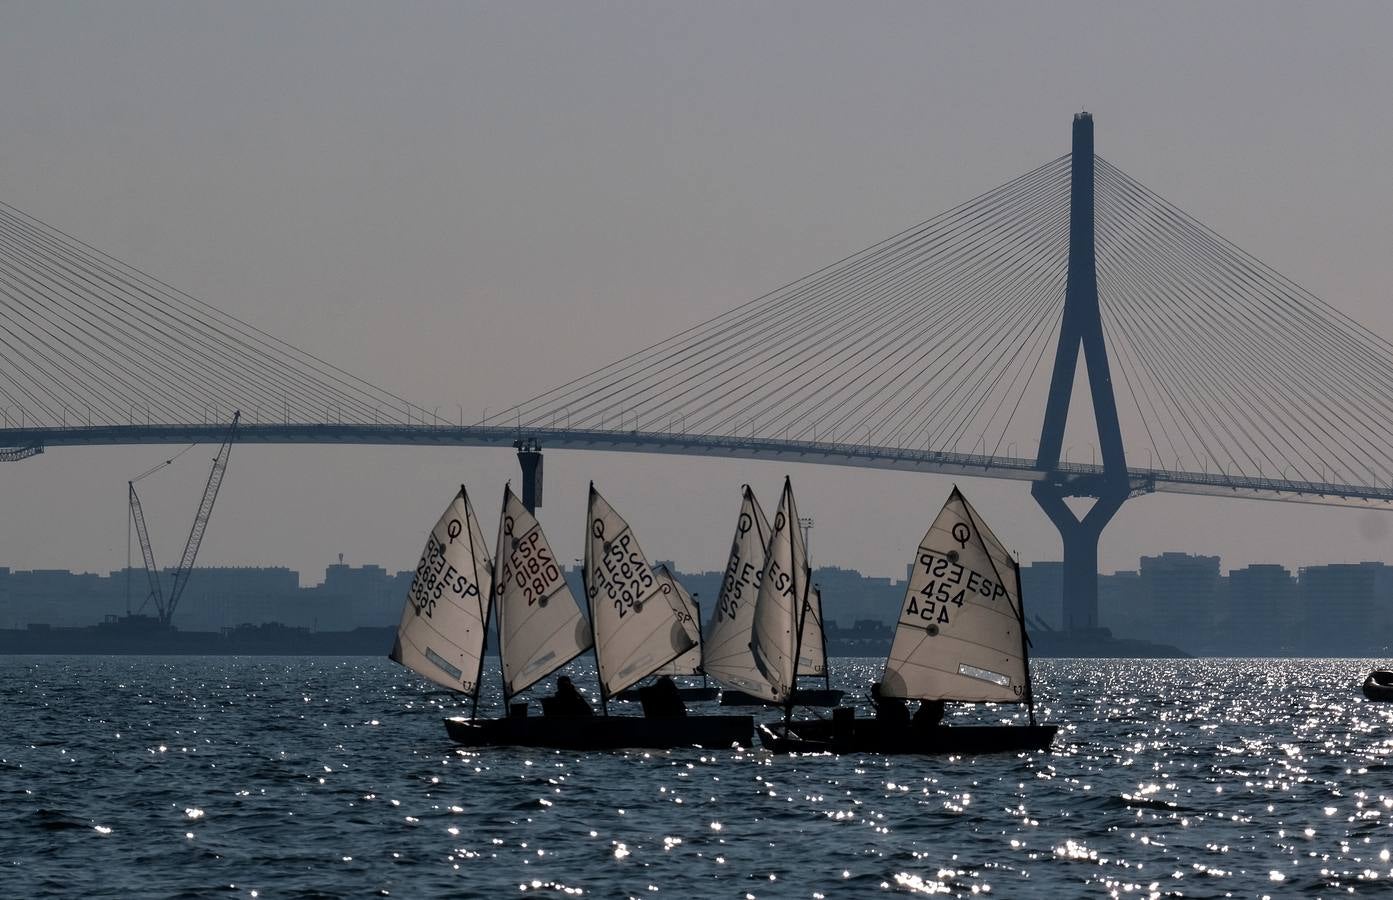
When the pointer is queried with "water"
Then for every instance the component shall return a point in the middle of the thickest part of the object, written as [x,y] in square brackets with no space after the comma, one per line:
[185,777]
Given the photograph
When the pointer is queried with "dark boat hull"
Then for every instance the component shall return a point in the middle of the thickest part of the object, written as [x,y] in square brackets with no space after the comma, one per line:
[1379,686]
[688,694]
[603,732]
[801,697]
[868,736]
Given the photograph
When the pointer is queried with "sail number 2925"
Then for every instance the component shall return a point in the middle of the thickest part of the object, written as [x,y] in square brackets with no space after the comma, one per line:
[622,575]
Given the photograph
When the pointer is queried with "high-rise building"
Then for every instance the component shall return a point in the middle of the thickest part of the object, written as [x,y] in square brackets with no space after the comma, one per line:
[1121,607]
[1042,583]
[1344,609]
[1264,615]
[1183,603]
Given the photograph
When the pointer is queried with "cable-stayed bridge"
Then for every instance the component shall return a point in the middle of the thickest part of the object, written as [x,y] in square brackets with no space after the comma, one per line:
[939,349]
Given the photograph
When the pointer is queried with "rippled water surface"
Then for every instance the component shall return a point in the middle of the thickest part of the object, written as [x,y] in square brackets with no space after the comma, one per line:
[130,776]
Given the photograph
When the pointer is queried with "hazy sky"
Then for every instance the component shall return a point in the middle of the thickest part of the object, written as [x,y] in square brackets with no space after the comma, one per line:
[469,203]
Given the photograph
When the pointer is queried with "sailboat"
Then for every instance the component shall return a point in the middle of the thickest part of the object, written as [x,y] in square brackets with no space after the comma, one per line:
[781,606]
[812,657]
[443,624]
[729,655]
[960,638]
[540,625]
[689,663]
[634,629]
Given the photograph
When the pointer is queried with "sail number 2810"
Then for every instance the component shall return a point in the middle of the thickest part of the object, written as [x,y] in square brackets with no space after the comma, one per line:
[530,568]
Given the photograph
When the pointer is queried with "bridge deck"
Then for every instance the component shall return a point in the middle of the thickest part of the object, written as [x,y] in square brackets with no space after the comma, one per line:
[1142,480]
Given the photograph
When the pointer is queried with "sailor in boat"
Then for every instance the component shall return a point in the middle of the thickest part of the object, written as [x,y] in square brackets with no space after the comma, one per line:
[889,711]
[566,702]
[662,699]
[928,715]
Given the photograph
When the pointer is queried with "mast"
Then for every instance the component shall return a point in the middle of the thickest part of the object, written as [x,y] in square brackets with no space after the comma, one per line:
[590,593]
[488,606]
[701,635]
[1025,644]
[498,594]
[822,627]
[799,619]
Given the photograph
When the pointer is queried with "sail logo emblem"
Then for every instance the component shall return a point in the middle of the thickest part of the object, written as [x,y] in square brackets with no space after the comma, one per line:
[962,534]
[454,529]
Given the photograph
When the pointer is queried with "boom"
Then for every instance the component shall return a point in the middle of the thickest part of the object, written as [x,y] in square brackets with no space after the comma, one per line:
[200,522]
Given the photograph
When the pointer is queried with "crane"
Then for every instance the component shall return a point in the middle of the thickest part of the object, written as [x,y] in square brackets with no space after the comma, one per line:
[165,607]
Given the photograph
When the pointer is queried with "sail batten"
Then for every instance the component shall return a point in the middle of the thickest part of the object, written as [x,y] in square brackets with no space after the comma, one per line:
[960,629]
[540,625]
[441,634]
[637,631]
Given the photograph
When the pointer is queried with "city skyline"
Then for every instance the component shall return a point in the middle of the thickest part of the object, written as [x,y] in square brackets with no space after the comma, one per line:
[1167,600]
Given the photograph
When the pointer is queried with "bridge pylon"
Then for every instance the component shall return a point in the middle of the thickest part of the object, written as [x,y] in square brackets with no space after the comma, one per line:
[1082,327]
[530,459]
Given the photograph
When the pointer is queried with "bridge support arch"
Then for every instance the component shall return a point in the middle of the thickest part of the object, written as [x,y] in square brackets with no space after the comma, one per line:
[1081,328]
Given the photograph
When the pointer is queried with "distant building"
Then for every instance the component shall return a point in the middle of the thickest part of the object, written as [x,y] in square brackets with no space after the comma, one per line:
[1264,616]
[1183,602]
[1042,583]
[1344,608]
[1122,609]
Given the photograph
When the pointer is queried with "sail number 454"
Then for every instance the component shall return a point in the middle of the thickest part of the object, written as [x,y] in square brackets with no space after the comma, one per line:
[949,583]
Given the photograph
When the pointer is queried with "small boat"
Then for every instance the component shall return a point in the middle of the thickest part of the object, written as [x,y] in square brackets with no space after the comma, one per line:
[601,732]
[443,623]
[847,734]
[729,657]
[960,638]
[782,607]
[635,629]
[803,696]
[1379,686]
[689,663]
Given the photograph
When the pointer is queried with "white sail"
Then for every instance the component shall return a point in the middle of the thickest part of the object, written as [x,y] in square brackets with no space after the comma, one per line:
[812,651]
[689,615]
[441,635]
[727,654]
[540,624]
[782,599]
[636,629]
[959,635]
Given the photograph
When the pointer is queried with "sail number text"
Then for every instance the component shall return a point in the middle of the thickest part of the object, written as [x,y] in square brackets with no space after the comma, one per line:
[434,576]
[621,576]
[948,584]
[741,584]
[530,568]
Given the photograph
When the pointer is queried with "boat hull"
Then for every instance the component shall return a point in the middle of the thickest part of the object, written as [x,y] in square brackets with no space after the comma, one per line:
[1379,686]
[688,694]
[801,697]
[869,736]
[603,732]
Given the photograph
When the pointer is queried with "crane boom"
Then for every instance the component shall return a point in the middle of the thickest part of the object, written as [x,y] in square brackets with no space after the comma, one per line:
[200,521]
[146,551]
